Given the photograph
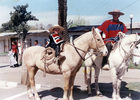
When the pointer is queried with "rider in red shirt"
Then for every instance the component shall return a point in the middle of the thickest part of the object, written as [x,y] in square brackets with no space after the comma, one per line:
[110,29]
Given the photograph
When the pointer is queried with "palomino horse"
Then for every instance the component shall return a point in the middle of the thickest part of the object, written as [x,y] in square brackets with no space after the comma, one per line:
[122,51]
[73,59]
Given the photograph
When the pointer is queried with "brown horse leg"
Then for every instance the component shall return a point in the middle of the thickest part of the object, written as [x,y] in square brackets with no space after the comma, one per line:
[32,71]
[66,76]
[96,76]
[72,78]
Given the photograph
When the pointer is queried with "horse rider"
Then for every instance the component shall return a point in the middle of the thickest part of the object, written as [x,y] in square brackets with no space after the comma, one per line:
[55,40]
[110,29]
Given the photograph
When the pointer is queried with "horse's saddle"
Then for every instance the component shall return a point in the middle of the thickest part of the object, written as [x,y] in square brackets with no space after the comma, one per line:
[48,56]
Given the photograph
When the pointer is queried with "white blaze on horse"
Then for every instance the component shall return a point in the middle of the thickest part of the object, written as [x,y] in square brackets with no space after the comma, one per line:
[118,62]
[32,61]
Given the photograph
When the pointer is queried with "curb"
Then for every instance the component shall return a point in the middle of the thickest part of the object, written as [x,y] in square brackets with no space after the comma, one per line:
[15,84]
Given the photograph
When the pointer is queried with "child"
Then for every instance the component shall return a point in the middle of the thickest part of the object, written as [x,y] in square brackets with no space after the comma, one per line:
[55,41]
[12,60]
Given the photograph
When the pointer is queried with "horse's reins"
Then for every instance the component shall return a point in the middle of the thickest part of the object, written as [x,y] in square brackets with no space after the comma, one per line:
[85,51]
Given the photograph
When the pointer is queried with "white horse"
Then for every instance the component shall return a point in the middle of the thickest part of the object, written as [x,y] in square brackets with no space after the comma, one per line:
[118,62]
[32,60]
[136,57]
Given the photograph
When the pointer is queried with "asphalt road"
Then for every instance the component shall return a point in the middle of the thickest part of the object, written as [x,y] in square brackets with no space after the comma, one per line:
[51,86]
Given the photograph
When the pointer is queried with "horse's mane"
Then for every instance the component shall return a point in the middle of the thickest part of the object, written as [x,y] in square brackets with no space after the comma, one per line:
[117,43]
[81,36]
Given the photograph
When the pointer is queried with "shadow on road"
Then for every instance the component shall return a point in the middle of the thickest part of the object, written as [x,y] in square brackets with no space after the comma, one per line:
[106,89]
[4,66]
[58,93]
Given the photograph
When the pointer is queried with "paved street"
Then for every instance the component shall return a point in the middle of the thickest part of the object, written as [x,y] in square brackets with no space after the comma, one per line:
[51,86]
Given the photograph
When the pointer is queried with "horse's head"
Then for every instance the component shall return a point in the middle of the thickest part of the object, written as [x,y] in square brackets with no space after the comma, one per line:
[97,42]
[136,51]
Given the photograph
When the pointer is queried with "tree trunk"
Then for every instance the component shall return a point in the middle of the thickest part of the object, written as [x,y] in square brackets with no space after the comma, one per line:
[22,47]
[62,18]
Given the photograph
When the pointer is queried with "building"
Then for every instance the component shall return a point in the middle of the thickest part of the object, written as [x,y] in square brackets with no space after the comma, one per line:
[7,38]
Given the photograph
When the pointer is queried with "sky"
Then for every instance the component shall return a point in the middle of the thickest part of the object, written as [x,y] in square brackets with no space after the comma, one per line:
[93,11]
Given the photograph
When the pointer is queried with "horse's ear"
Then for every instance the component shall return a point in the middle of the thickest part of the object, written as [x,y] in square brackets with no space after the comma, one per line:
[93,29]
[121,35]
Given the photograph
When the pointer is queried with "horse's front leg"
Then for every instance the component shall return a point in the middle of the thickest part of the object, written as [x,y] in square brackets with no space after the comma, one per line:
[118,88]
[66,76]
[96,76]
[72,78]
[114,81]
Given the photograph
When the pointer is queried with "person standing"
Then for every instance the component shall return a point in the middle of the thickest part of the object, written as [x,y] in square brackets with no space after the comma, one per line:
[15,51]
[12,60]
[110,29]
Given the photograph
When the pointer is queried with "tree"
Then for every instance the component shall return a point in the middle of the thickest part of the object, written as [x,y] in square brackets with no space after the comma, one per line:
[18,23]
[62,18]
[77,21]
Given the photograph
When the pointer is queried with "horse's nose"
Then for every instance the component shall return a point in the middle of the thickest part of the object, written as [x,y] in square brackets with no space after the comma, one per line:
[106,53]
[135,64]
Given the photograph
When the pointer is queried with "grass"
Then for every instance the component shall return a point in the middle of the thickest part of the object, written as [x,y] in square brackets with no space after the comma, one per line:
[131,66]
[134,86]
[1,54]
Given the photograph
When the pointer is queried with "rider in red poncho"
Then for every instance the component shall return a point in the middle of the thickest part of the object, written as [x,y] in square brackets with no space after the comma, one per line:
[110,29]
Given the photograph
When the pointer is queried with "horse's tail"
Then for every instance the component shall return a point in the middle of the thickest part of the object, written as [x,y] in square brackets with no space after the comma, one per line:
[24,74]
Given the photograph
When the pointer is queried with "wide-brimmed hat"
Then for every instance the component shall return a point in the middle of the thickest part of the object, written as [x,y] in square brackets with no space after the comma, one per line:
[56,26]
[115,11]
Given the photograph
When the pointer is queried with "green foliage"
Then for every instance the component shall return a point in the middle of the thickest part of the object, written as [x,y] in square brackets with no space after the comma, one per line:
[77,21]
[18,21]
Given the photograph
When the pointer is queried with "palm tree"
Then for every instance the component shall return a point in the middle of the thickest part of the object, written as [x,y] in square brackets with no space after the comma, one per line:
[62,18]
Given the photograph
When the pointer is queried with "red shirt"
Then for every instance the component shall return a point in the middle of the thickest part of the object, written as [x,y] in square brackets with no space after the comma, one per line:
[14,48]
[111,28]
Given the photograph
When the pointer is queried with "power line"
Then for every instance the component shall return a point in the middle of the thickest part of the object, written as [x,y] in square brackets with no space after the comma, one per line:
[129,5]
[120,10]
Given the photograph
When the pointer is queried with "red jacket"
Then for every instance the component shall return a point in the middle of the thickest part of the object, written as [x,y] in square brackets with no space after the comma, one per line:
[14,48]
[111,28]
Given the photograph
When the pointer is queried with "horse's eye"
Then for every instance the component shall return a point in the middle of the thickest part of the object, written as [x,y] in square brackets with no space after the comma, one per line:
[137,47]
[98,39]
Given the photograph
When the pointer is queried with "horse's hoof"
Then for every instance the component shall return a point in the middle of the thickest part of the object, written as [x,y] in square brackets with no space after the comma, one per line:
[90,94]
[32,98]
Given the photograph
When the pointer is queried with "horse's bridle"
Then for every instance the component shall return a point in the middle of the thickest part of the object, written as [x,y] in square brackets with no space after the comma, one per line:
[98,47]
[132,54]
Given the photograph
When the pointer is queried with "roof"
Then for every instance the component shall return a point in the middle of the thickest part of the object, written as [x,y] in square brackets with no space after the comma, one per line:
[81,28]
[7,34]
[30,32]
[134,25]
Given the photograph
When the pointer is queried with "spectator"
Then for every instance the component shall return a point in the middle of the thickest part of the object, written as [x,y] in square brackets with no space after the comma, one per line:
[15,51]
[12,60]
[36,43]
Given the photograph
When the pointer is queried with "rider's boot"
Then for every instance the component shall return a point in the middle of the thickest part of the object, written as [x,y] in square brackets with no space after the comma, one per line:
[106,67]
[58,59]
